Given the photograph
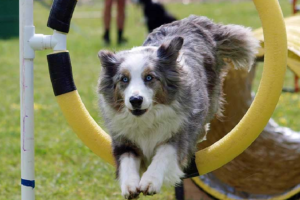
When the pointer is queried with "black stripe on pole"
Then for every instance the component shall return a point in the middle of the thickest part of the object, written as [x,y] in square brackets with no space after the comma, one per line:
[61,15]
[60,70]
[28,183]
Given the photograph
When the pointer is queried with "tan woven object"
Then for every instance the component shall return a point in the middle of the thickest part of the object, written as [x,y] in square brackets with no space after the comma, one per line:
[271,164]
[293,35]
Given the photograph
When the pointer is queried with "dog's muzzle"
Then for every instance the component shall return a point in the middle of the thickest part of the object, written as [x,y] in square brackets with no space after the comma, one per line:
[136,102]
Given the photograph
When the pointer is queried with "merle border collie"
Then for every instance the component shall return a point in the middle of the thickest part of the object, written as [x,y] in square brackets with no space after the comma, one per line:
[155,14]
[157,99]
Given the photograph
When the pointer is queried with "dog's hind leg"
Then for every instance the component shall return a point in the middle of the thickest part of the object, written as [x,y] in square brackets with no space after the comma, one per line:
[163,168]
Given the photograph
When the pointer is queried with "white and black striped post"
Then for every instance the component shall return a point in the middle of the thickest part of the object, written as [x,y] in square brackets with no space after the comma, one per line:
[26,100]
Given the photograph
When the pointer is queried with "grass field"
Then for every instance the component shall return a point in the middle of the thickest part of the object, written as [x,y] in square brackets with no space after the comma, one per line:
[65,168]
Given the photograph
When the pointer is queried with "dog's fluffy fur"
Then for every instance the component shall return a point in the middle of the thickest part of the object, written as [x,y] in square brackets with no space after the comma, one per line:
[155,14]
[185,60]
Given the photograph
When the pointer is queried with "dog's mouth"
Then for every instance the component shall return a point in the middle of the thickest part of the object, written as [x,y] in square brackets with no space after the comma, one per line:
[138,112]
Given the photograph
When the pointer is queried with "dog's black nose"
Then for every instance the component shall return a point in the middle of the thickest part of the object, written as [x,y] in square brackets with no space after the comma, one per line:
[136,101]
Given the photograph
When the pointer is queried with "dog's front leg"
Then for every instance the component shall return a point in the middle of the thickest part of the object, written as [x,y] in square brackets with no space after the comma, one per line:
[128,167]
[128,175]
[128,162]
[163,168]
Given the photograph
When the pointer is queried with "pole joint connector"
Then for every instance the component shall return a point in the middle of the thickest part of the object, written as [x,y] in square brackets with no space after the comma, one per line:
[57,41]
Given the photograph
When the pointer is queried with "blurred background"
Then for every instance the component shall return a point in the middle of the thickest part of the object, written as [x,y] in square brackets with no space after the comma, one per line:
[65,168]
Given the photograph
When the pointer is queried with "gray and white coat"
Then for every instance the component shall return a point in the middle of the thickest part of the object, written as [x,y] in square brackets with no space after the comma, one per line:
[176,78]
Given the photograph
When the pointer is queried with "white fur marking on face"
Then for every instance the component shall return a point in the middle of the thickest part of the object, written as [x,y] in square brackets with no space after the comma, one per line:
[129,177]
[163,168]
[134,49]
[135,63]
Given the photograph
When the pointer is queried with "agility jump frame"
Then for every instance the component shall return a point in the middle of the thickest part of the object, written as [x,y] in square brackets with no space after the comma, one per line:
[88,130]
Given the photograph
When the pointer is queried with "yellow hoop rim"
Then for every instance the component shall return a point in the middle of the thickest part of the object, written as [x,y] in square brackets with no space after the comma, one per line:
[258,115]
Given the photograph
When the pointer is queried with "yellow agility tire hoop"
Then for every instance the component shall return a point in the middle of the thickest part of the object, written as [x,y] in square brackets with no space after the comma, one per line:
[258,115]
[223,151]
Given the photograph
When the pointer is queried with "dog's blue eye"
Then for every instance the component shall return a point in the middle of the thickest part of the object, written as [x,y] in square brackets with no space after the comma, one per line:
[149,78]
[125,79]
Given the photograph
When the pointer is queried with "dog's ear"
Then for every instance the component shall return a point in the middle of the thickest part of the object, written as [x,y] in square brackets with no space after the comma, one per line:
[107,58]
[167,66]
[168,53]
[109,62]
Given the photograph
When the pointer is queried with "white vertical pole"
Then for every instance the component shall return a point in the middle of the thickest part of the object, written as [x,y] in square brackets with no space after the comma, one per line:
[26,99]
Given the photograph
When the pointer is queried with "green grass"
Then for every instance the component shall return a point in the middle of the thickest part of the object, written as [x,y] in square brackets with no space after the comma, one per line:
[65,168]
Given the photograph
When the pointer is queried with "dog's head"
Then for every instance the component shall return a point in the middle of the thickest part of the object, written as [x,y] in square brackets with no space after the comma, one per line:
[138,79]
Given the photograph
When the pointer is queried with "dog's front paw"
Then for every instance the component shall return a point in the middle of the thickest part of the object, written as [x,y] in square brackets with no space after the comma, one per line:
[150,184]
[130,189]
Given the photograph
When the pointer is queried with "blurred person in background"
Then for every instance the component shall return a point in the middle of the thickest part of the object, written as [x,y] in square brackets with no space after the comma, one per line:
[120,20]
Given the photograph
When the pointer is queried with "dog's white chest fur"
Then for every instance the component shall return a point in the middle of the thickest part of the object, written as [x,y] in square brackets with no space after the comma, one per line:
[148,131]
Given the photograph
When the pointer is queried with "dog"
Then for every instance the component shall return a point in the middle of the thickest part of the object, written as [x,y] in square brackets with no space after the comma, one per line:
[155,14]
[157,99]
